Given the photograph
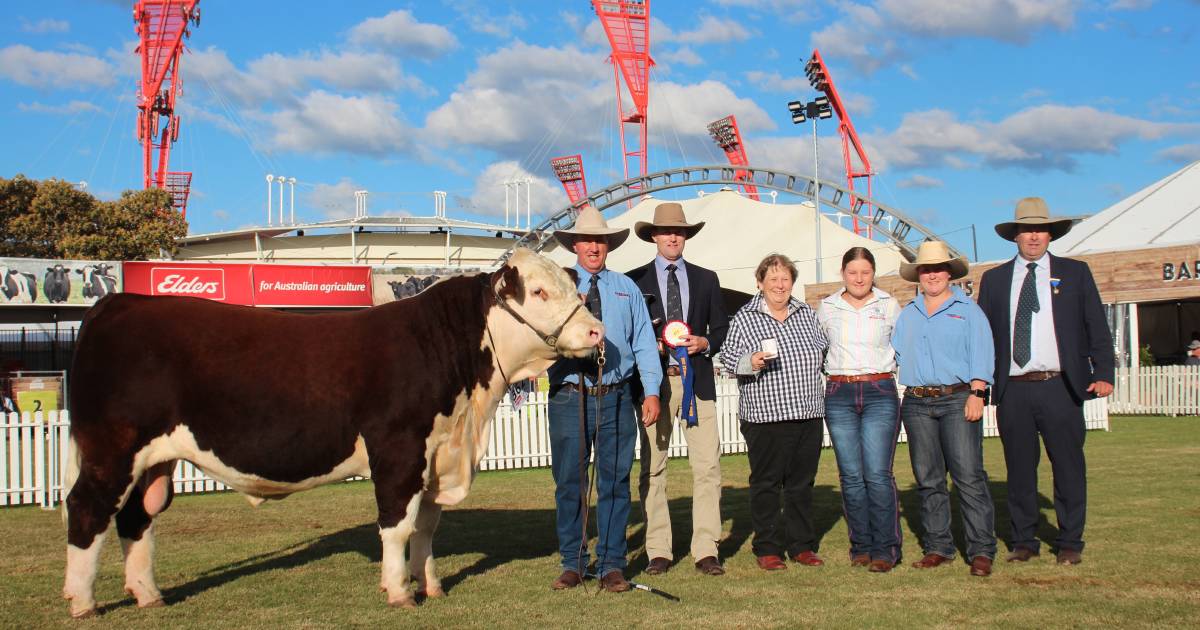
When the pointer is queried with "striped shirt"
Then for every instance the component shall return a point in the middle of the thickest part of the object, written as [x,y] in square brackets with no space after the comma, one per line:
[789,386]
[860,339]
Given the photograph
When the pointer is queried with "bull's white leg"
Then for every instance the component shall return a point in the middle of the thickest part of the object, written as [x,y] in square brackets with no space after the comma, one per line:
[395,568]
[421,549]
[139,569]
[81,577]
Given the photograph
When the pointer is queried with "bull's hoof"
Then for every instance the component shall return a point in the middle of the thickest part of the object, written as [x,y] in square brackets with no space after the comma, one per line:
[407,602]
[87,613]
[432,593]
[154,603]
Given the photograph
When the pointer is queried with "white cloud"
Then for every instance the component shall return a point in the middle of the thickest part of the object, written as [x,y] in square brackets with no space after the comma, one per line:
[334,201]
[777,83]
[921,181]
[43,69]
[281,79]
[874,36]
[332,123]
[546,196]
[1180,154]
[687,109]
[1046,137]
[74,107]
[684,56]
[46,25]
[711,30]
[1006,20]
[399,30]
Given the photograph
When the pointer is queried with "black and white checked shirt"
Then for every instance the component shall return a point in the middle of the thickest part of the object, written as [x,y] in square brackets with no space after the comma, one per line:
[789,387]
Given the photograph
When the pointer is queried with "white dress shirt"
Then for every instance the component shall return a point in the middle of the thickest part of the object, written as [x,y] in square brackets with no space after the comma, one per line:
[860,339]
[1043,356]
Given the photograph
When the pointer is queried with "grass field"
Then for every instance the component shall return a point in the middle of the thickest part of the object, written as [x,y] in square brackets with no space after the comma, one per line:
[312,561]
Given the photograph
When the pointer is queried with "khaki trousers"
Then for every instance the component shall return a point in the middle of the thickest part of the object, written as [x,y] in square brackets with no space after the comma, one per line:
[704,454]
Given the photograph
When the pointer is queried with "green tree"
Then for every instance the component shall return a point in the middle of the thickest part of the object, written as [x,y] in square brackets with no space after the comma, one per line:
[53,219]
[16,195]
[140,225]
[56,208]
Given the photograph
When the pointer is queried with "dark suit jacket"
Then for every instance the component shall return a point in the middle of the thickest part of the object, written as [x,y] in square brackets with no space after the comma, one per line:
[706,317]
[1085,345]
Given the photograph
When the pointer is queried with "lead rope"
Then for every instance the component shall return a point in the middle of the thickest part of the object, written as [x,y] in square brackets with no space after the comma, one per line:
[586,481]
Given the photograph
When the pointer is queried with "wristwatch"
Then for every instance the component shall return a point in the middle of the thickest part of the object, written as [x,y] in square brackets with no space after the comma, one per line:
[981,394]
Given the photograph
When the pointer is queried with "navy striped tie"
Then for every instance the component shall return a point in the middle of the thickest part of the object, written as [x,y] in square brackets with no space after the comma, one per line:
[1027,305]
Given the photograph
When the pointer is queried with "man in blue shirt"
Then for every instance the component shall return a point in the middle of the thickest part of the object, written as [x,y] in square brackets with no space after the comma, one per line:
[945,356]
[607,406]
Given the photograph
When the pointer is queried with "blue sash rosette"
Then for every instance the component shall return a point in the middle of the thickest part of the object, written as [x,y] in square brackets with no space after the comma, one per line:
[674,333]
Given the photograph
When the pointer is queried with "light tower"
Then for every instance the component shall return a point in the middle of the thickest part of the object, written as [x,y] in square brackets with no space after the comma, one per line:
[725,133]
[627,25]
[569,170]
[822,81]
[161,26]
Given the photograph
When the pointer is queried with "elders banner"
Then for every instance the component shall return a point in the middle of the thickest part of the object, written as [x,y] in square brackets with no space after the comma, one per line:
[253,284]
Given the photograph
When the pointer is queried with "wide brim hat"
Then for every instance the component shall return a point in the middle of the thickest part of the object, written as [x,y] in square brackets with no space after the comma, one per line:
[589,222]
[934,253]
[1033,211]
[1195,344]
[666,215]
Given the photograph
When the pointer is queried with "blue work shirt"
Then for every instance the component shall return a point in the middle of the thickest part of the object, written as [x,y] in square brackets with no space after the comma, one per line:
[951,345]
[628,334]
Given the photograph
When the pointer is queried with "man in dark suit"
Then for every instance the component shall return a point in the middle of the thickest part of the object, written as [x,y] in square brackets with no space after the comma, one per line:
[1053,351]
[682,291]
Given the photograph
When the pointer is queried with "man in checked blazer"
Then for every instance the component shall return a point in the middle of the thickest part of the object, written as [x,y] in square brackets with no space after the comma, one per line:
[1053,351]
[682,290]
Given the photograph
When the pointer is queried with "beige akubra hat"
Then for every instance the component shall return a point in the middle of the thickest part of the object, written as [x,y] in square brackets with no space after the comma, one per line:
[934,253]
[589,222]
[1033,211]
[666,215]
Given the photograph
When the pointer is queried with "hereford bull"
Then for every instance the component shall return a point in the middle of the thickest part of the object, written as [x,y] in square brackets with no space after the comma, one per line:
[272,403]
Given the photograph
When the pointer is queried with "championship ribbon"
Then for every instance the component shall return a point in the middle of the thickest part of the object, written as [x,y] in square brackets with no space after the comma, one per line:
[673,333]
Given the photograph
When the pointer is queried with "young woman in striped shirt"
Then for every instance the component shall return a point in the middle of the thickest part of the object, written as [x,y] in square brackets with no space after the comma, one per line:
[862,409]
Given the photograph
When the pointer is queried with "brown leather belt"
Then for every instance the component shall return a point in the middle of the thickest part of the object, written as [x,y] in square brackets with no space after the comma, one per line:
[672,370]
[595,390]
[1035,376]
[934,391]
[859,378]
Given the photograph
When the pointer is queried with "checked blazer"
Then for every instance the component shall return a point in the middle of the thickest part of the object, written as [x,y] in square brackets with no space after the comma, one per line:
[1085,345]
[706,316]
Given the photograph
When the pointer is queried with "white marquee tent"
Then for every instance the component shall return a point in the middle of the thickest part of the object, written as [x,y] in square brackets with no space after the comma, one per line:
[739,232]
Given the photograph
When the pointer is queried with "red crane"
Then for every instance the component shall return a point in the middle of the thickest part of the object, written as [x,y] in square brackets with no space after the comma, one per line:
[569,170]
[627,25]
[725,133]
[822,81]
[161,27]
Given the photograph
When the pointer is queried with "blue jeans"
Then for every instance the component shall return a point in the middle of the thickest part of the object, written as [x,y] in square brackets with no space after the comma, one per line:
[941,439]
[863,420]
[614,459]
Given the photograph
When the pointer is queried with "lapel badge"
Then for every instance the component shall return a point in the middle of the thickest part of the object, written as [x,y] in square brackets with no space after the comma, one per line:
[1054,282]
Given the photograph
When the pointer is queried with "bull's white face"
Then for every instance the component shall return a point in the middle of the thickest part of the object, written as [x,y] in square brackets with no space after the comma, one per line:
[548,299]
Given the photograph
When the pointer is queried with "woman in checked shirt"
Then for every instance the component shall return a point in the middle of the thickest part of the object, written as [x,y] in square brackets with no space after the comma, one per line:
[775,347]
[862,409]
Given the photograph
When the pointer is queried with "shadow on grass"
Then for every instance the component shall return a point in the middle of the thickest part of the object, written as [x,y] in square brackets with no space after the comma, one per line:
[910,510]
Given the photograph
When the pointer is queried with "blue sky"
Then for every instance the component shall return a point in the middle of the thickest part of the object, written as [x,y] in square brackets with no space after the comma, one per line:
[964,106]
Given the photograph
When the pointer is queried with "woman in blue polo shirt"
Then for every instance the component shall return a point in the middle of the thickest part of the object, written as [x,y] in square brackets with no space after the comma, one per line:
[945,356]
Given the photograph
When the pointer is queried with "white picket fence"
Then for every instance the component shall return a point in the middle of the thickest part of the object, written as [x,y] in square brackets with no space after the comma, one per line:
[1172,390]
[34,448]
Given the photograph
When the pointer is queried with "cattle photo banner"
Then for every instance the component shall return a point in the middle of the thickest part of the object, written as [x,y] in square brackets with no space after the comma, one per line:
[26,281]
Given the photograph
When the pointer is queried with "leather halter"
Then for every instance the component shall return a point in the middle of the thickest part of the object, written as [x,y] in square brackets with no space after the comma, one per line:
[550,339]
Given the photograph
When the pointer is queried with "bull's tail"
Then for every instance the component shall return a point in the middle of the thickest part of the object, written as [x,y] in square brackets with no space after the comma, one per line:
[69,475]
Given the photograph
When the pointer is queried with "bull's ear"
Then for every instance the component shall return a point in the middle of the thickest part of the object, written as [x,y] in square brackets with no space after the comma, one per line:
[573,274]
[79,271]
[507,284]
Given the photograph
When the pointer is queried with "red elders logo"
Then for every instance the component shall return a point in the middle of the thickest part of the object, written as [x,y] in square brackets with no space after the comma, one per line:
[203,283]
